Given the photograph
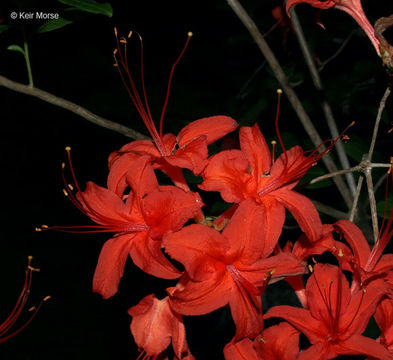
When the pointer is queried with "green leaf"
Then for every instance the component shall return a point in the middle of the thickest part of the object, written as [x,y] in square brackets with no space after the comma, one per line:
[90,6]
[53,24]
[4,28]
[16,48]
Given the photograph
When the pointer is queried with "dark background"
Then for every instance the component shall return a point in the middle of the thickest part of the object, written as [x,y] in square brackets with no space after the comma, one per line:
[222,72]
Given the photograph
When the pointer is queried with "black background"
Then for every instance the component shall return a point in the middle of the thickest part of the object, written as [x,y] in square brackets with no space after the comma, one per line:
[76,63]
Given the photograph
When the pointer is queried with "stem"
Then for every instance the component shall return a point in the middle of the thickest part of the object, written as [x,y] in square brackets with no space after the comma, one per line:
[297,105]
[373,205]
[28,65]
[68,105]
[327,110]
[356,199]
[377,121]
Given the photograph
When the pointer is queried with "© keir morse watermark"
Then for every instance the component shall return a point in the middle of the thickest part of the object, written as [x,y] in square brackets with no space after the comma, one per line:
[34,15]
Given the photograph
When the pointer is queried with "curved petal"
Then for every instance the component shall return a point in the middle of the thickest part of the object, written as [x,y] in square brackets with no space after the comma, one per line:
[254,229]
[201,297]
[355,238]
[228,173]
[300,319]
[192,156]
[303,211]
[168,209]
[278,342]
[361,345]
[255,149]
[199,248]
[146,253]
[246,310]
[213,127]
[103,206]
[151,324]
[110,266]
[241,350]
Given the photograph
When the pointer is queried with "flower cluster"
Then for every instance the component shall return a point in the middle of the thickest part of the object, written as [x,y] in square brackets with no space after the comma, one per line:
[231,261]
[159,221]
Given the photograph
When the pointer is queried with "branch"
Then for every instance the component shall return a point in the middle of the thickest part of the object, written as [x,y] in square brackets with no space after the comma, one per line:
[377,121]
[298,107]
[328,210]
[342,155]
[68,105]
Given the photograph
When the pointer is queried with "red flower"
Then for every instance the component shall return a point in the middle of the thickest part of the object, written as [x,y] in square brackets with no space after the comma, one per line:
[351,7]
[154,325]
[384,318]
[277,342]
[229,267]
[366,265]
[335,319]
[251,172]
[139,220]
[169,153]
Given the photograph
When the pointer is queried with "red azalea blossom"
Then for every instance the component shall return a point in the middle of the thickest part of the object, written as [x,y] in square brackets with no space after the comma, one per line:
[251,172]
[229,267]
[351,7]
[384,318]
[277,342]
[335,318]
[154,325]
[169,153]
[139,221]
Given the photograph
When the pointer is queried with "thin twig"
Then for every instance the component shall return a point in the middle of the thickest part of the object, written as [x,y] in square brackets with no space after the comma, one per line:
[373,204]
[356,199]
[297,105]
[68,105]
[377,121]
[327,110]
[363,166]
[328,210]
[341,48]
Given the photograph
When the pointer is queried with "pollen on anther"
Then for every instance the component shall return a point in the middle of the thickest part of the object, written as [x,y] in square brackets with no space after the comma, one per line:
[279,91]
[340,253]
[45,226]
[46,298]
[70,187]
[310,268]
[68,148]
[115,52]
[65,192]
[129,34]
[189,34]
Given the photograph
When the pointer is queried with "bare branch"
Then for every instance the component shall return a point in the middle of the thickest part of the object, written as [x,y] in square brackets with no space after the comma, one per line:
[356,199]
[373,205]
[297,105]
[328,210]
[327,110]
[377,121]
[70,106]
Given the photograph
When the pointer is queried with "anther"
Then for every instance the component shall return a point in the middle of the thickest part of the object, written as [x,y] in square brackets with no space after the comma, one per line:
[310,268]
[189,34]
[115,30]
[340,253]
[70,187]
[279,91]
[65,192]
[129,34]
[46,298]
[115,52]
[68,148]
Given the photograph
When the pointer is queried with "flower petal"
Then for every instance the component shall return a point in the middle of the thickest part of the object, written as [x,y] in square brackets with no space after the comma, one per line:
[213,127]
[227,172]
[111,263]
[254,147]
[303,211]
